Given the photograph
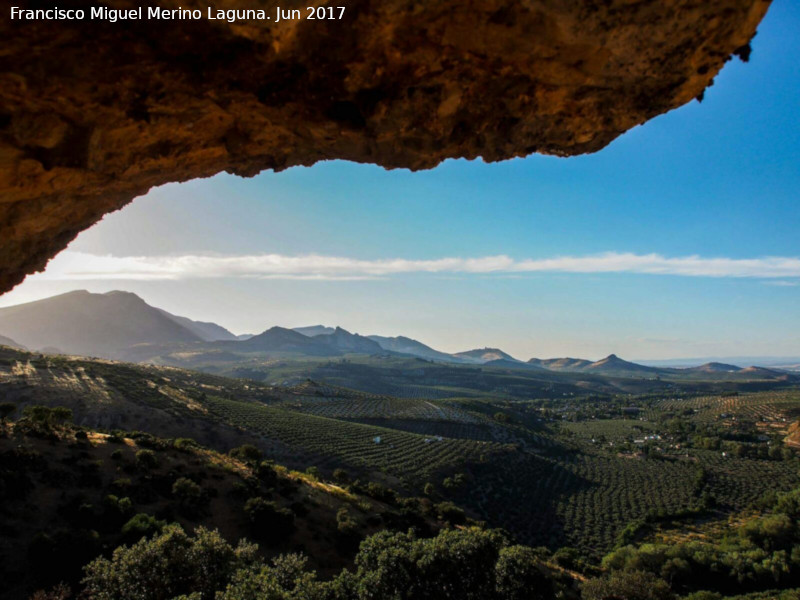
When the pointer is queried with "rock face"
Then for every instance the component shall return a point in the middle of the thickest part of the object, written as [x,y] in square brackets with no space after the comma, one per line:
[93,114]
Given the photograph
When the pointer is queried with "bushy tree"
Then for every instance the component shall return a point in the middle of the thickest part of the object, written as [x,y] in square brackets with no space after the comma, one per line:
[47,416]
[268,520]
[519,575]
[168,565]
[247,453]
[185,444]
[627,585]
[190,496]
[7,409]
[146,459]
[447,511]
[456,564]
[141,525]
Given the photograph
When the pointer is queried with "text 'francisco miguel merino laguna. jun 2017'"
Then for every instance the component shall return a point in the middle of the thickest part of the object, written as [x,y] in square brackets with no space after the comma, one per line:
[111,15]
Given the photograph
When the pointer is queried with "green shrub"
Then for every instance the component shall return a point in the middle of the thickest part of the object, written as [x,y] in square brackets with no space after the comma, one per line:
[190,497]
[185,444]
[141,525]
[345,524]
[519,575]
[449,512]
[6,410]
[146,459]
[627,585]
[247,453]
[268,520]
[168,565]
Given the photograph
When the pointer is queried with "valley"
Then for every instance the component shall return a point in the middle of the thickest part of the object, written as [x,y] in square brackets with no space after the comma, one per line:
[576,458]
[564,471]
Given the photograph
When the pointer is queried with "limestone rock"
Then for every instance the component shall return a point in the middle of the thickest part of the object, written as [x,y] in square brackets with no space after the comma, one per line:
[93,114]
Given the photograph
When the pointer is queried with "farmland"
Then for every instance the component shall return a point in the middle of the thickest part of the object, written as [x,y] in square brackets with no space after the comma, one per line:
[559,471]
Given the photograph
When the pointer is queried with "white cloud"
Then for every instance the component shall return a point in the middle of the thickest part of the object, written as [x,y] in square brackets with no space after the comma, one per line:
[71,266]
[783,283]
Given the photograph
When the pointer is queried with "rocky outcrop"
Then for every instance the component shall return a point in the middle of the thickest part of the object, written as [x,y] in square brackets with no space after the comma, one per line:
[93,114]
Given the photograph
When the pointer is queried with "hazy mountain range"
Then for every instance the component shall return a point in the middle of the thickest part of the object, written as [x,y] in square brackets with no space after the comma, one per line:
[120,325]
[5,341]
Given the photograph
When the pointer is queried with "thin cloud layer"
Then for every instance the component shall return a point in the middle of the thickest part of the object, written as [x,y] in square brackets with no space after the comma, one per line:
[71,265]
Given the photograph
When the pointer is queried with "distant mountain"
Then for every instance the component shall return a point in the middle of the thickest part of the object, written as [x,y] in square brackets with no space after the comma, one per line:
[504,363]
[763,373]
[561,364]
[715,367]
[613,364]
[404,345]
[610,365]
[91,324]
[282,340]
[345,341]
[244,336]
[778,362]
[314,330]
[483,355]
[4,341]
[208,332]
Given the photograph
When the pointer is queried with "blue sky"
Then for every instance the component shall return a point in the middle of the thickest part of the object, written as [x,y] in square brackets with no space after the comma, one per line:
[712,180]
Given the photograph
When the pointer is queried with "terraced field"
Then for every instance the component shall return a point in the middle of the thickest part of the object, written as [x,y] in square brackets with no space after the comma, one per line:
[585,499]
[765,407]
[610,429]
[330,442]
[378,407]
[562,471]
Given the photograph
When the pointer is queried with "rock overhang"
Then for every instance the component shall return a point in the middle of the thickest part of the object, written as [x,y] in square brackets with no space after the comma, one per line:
[93,114]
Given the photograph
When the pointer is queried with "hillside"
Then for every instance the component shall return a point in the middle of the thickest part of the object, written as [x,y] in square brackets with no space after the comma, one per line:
[715,367]
[70,493]
[5,341]
[482,355]
[404,345]
[91,324]
[561,364]
[208,332]
[277,340]
[564,471]
[121,326]
[486,441]
[614,365]
[345,341]
[313,330]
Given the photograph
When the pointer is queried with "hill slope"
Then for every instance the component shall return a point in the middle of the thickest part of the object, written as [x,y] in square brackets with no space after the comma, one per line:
[345,341]
[483,355]
[313,330]
[90,487]
[5,341]
[715,367]
[91,324]
[206,331]
[561,364]
[405,345]
[282,340]
[613,364]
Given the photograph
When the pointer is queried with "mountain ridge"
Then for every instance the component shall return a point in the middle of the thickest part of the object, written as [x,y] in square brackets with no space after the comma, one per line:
[121,325]
[7,341]
[484,355]
[81,322]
